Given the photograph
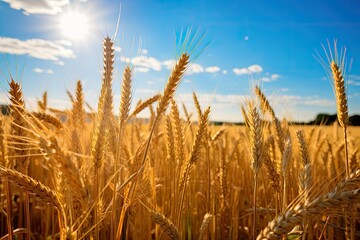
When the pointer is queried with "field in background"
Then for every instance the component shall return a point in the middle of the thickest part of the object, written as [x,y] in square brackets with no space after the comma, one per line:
[97,176]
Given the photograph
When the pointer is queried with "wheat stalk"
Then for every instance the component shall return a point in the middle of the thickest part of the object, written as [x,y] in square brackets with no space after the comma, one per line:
[320,205]
[256,144]
[36,188]
[142,105]
[285,164]
[195,154]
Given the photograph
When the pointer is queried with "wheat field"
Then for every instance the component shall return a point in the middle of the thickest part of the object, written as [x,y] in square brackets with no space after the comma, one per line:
[97,175]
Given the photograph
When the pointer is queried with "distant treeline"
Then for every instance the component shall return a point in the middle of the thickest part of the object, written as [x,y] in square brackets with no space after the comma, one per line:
[320,119]
[5,109]
[326,119]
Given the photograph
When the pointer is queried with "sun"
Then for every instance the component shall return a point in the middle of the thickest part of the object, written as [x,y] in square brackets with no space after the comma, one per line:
[74,25]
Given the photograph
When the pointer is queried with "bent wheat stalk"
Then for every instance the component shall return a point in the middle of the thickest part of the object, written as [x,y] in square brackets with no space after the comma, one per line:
[34,187]
[340,196]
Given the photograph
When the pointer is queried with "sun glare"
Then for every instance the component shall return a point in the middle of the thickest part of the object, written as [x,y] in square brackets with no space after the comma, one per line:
[74,25]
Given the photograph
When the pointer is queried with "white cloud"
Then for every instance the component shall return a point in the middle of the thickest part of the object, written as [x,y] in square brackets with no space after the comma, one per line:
[125,59]
[354,83]
[241,71]
[38,6]
[224,72]
[319,102]
[145,90]
[275,76]
[248,70]
[149,62]
[36,48]
[354,77]
[354,80]
[195,68]
[275,100]
[118,49]
[143,62]
[64,42]
[31,103]
[61,63]
[295,100]
[255,68]
[270,78]
[141,69]
[210,98]
[144,51]
[354,95]
[40,70]
[212,69]
[168,63]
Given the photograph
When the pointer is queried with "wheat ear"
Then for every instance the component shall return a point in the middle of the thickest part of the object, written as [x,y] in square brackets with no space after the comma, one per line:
[306,175]
[342,106]
[178,133]
[104,119]
[173,82]
[340,92]
[197,104]
[125,97]
[47,118]
[270,167]
[44,193]
[339,197]
[18,126]
[170,143]
[256,142]
[204,225]
[142,105]
[42,105]
[166,225]
[124,109]
[78,110]
[266,107]
[195,154]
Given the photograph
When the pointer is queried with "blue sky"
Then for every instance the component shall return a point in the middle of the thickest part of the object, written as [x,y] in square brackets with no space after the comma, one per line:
[271,43]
